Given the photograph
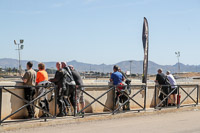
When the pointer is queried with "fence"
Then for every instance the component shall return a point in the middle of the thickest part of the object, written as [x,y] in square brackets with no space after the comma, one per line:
[48,89]
[109,103]
[112,108]
[167,90]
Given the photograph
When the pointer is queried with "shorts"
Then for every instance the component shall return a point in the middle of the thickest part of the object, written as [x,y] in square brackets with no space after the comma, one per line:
[79,96]
[175,91]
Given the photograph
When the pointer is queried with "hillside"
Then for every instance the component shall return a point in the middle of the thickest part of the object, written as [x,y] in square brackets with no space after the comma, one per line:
[136,66]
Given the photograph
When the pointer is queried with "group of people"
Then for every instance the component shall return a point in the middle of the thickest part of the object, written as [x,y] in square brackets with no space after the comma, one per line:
[69,85]
[119,79]
[168,85]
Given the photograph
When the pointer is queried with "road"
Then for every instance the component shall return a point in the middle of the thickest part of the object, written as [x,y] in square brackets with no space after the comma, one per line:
[179,122]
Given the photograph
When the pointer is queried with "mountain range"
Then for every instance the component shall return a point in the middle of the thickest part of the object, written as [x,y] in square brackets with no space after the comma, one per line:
[136,66]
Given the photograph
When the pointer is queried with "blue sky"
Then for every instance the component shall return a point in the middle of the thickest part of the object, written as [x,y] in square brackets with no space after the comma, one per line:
[100,31]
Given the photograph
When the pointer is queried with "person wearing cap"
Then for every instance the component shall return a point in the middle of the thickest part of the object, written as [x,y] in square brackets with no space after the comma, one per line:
[161,80]
[173,86]
[79,93]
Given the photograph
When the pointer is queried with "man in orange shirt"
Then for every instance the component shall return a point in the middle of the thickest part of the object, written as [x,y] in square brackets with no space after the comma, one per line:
[41,74]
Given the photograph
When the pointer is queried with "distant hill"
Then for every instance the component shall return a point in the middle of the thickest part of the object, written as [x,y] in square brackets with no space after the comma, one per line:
[136,66]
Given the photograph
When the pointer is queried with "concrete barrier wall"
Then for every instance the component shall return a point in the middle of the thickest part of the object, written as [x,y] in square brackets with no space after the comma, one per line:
[11,103]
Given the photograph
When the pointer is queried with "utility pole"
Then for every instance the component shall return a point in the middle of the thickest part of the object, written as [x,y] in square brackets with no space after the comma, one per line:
[178,55]
[130,67]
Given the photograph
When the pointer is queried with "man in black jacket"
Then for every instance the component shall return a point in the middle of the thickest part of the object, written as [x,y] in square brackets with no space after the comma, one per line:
[69,84]
[58,80]
[161,80]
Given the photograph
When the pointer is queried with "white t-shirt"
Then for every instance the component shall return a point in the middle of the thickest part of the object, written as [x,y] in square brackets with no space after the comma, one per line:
[171,80]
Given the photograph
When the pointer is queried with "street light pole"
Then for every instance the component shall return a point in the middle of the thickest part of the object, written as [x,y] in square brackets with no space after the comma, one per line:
[178,55]
[20,47]
[130,67]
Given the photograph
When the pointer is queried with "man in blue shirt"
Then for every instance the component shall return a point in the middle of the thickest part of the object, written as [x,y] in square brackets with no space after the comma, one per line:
[116,77]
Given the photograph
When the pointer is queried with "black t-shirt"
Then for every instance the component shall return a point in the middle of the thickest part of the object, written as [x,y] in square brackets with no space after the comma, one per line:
[77,77]
[58,79]
[160,77]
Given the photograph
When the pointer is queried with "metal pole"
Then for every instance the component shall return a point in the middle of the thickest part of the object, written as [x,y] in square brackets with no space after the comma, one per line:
[145,94]
[178,98]
[197,95]
[178,65]
[130,68]
[19,59]
[113,100]
[155,97]
[56,98]
[0,104]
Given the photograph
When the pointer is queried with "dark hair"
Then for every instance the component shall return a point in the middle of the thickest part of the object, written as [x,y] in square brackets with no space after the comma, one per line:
[29,64]
[116,67]
[41,66]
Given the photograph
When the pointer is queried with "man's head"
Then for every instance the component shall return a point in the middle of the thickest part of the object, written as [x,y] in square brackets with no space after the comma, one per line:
[168,72]
[115,68]
[29,65]
[41,66]
[119,69]
[58,65]
[63,64]
[71,67]
[159,70]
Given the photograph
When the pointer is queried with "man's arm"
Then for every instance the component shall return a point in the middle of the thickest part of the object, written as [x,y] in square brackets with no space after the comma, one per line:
[25,77]
[111,77]
[123,78]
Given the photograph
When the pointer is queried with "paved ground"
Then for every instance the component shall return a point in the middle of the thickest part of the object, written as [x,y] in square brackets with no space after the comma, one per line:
[176,122]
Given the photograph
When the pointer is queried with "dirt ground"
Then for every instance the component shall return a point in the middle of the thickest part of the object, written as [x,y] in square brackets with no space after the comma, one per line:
[179,122]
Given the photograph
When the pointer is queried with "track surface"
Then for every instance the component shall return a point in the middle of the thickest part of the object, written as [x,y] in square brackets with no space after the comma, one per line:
[179,122]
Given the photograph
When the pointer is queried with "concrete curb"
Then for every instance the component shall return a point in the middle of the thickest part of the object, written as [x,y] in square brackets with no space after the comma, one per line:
[72,120]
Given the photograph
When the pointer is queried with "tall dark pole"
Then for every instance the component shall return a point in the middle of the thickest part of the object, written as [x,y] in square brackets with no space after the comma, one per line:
[145,40]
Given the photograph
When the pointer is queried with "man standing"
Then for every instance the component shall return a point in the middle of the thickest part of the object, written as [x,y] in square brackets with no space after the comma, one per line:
[79,93]
[173,86]
[58,80]
[29,79]
[69,84]
[117,78]
[161,80]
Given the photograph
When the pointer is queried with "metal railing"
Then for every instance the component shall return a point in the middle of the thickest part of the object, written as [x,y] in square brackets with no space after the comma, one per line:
[27,103]
[166,91]
[112,108]
[114,89]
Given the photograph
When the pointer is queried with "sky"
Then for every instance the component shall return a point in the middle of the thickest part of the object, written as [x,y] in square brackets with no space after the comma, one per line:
[100,31]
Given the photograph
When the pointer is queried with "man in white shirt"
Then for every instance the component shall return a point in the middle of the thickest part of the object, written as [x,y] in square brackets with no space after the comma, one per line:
[173,86]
